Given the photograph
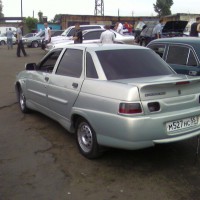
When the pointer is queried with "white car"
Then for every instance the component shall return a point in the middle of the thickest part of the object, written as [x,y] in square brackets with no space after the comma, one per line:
[93,36]
[3,39]
[69,32]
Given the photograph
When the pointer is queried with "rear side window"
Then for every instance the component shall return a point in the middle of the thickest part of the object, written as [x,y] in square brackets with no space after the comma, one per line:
[177,55]
[191,60]
[90,67]
[132,63]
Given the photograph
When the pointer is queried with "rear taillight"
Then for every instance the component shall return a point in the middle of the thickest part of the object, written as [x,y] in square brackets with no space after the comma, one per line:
[182,82]
[154,106]
[130,108]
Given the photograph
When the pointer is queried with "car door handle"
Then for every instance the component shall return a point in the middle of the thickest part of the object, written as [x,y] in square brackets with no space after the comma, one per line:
[75,85]
[46,78]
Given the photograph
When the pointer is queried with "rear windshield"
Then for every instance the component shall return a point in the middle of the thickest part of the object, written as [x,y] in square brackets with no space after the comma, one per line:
[132,63]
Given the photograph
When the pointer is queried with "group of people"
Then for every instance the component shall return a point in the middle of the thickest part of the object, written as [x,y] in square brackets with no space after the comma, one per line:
[194,31]
[106,36]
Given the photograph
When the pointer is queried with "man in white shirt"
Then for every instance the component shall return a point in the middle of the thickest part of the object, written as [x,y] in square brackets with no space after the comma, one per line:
[157,31]
[47,36]
[107,37]
[119,27]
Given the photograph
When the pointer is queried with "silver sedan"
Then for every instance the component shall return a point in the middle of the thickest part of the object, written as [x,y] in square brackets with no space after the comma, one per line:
[122,96]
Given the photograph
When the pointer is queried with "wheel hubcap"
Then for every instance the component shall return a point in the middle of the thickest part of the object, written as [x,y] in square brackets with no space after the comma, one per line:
[22,101]
[85,137]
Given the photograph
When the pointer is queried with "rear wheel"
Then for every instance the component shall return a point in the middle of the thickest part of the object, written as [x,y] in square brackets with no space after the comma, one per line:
[35,44]
[2,42]
[86,140]
[22,102]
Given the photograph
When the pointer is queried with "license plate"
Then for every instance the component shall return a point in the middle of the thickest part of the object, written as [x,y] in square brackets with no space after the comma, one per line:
[181,124]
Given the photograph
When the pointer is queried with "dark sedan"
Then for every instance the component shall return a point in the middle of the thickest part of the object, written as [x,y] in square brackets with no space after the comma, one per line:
[181,53]
[170,29]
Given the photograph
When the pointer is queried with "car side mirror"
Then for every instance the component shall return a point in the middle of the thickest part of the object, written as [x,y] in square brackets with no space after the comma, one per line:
[30,66]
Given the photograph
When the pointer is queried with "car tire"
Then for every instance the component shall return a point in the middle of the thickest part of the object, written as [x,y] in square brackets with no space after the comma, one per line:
[22,101]
[2,42]
[35,44]
[143,43]
[86,140]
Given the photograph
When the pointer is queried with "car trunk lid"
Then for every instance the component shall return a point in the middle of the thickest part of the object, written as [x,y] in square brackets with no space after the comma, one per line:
[175,94]
[174,27]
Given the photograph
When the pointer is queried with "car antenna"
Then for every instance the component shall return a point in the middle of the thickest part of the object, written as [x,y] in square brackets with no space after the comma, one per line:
[197,149]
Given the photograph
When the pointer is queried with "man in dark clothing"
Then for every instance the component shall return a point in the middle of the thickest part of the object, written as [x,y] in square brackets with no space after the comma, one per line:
[195,28]
[20,45]
[78,36]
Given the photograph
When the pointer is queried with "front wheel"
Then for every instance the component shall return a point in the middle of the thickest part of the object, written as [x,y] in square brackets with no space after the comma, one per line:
[22,102]
[35,44]
[2,42]
[86,140]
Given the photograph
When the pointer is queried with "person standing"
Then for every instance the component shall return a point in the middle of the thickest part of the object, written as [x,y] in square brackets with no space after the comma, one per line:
[20,45]
[78,35]
[119,27]
[107,37]
[195,28]
[47,36]
[9,35]
[157,31]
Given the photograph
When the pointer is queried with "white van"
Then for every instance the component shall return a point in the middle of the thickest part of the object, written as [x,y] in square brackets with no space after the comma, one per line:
[4,29]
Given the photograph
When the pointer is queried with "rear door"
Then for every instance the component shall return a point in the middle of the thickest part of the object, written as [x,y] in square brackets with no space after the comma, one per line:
[183,59]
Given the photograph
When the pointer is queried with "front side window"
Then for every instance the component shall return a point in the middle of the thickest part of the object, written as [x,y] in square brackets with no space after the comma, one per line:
[132,63]
[49,62]
[71,63]
[158,48]
[177,55]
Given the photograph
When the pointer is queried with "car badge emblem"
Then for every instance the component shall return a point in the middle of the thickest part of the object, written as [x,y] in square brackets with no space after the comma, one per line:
[179,92]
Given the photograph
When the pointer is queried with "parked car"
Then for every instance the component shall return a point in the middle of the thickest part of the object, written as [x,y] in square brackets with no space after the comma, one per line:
[36,40]
[29,35]
[93,36]
[116,95]
[181,53]
[69,32]
[3,39]
[170,29]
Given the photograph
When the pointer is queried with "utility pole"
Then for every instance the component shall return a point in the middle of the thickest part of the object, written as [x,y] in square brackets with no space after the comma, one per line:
[21,9]
[99,8]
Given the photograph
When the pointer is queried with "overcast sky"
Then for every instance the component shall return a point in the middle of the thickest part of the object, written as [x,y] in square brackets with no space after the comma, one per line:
[49,8]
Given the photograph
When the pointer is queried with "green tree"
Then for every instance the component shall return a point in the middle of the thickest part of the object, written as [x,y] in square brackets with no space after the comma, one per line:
[162,7]
[1,9]
[40,16]
[31,23]
[57,18]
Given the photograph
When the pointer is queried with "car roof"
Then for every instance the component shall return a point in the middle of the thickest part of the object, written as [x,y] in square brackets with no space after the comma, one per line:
[191,41]
[100,47]
[183,40]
